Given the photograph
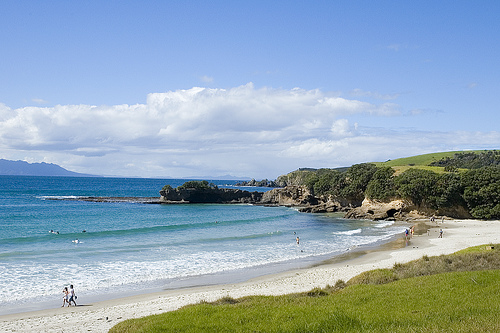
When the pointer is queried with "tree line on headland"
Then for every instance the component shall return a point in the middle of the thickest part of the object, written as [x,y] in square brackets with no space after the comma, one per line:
[460,185]
[469,180]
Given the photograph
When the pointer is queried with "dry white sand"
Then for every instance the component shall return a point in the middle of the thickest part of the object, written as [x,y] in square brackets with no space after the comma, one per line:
[101,316]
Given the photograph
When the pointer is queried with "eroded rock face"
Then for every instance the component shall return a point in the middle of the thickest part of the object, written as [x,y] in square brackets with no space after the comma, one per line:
[289,196]
[323,207]
[377,210]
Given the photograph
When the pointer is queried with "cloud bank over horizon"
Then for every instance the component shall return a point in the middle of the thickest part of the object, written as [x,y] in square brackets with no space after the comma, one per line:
[242,131]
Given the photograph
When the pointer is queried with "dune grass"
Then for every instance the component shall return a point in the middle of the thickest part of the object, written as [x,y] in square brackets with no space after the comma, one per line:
[417,301]
[485,257]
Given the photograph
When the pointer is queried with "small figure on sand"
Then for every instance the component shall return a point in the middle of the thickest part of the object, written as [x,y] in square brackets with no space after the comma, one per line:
[72,296]
[65,296]
[440,233]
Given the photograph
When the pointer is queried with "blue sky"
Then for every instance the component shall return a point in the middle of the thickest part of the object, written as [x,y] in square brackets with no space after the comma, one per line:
[244,88]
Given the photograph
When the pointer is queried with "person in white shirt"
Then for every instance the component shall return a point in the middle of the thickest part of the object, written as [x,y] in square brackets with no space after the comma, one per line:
[72,295]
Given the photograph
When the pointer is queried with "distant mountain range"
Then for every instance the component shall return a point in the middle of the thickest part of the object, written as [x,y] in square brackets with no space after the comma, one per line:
[22,168]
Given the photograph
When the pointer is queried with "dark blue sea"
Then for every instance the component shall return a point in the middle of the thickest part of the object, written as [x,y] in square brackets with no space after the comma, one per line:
[129,248]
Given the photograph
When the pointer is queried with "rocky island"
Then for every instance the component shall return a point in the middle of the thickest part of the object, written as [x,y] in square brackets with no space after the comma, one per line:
[203,192]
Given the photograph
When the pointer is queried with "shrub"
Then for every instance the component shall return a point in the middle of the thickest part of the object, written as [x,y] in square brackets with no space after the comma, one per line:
[166,188]
[381,186]
[482,192]
[225,300]
[419,186]
[197,184]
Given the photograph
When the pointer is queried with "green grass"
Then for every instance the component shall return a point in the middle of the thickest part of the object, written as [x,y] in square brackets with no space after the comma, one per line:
[466,301]
[420,161]
[485,257]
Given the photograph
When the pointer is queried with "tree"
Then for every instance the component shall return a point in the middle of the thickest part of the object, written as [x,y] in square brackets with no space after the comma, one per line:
[357,178]
[197,184]
[482,192]
[328,182]
[166,188]
[418,185]
[381,186]
[449,190]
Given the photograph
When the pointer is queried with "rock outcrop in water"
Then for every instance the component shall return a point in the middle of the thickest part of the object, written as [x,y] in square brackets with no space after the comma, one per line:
[291,196]
[208,195]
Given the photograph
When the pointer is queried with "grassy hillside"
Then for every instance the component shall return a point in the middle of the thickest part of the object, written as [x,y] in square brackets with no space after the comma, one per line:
[421,161]
[447,302]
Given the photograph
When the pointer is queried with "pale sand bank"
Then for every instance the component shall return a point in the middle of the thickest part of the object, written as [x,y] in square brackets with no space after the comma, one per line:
[101,316]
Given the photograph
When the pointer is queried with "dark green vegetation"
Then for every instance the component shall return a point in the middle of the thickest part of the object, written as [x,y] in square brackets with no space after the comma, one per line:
[440,182]
[260,183]
[464,300]
[192,184]
[470,160]
[197,184]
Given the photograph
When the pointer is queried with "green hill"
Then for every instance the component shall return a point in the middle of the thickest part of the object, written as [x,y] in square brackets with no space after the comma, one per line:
[423,161]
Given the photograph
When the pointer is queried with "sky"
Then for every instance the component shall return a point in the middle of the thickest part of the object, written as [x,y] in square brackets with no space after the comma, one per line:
[252,89]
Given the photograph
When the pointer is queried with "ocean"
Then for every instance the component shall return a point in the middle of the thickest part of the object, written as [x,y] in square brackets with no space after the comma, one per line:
[109,250]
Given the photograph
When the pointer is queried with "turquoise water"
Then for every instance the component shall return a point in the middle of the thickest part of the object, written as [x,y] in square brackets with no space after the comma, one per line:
[129,247]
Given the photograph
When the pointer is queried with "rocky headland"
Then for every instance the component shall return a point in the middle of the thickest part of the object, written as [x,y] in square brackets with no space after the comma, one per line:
[289,196]
[298,196]
[304,200]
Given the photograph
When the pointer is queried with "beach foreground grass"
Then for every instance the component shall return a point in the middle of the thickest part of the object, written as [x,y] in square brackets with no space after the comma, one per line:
[458,301]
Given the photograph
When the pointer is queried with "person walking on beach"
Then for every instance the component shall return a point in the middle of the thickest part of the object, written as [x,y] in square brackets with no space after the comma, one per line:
[65,296]
[72,295]
[440,233]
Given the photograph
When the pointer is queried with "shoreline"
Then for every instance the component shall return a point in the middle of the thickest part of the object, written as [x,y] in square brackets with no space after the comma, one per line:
[101,316]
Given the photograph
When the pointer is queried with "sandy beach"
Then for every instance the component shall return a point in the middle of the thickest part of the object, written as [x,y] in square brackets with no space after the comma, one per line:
[101,316]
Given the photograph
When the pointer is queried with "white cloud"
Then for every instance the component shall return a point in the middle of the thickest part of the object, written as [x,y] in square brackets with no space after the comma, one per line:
[242,131]
[206,79]
[39,101]
[341,128]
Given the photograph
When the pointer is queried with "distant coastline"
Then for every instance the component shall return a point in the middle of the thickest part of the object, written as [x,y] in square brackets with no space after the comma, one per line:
[23,168]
